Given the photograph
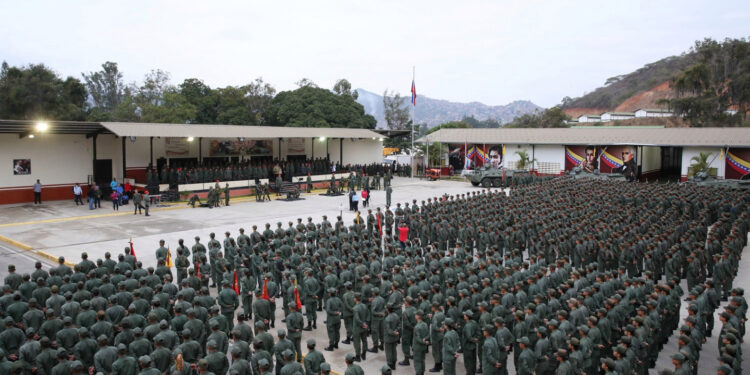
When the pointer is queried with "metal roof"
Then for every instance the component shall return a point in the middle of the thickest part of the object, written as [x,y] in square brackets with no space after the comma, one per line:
[132,129]
[25,127]
[126,129]
[717,137]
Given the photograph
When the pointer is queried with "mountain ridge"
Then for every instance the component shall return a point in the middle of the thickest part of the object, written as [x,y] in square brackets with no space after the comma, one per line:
[434,112]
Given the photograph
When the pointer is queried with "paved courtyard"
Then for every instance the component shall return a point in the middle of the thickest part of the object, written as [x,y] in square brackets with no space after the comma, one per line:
[62,229]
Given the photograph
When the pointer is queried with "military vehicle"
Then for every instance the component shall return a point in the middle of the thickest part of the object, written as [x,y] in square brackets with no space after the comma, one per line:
[579,172]
[493,177]
[703,178]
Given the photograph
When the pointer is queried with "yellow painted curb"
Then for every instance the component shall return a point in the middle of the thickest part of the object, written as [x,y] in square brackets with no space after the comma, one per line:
[26,247]
[16,243]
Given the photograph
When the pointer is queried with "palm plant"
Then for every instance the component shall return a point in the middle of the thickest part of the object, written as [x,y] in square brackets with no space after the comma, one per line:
[700,162]
[524,160]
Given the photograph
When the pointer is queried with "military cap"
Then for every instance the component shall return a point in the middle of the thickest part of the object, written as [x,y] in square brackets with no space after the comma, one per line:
[202,363]
[11,267]
[542,330]
[554,323]
[678,356]
[213,323]
[281,332]
[122,348]
[263,363]
[144,359]
[349,357]
[332,290]
[161,340]
[385,370]
[310,342]
[186,332]
[259,324]
[574,341]
[236,350]
[102,338]
[523,340]
[137,331]
[724,369]
[609,362]
[325,366]
[287,353]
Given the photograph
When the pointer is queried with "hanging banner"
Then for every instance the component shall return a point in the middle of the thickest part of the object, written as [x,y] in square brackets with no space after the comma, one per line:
[295,146]
[468,156]
[176,146]
[586,157]
[737,163]
[229,147]
[607,159]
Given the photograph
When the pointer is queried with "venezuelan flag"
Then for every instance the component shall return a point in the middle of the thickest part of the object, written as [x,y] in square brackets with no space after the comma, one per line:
[738,164]
[573,157]
[611,160]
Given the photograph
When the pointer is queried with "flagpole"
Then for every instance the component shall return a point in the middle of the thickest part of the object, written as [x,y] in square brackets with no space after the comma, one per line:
[413,108]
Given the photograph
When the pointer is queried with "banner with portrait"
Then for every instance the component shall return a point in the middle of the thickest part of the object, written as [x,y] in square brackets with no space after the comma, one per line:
[176,146]
[295,146]
[737,163]
[607,159]
[21,166]
[473,156]
[234,147]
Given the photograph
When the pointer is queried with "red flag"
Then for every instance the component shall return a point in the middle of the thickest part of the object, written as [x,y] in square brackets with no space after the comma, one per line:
[413,93]
[503,174]
[132,251]
[236,284]
[380,230]
[296,297]
[265,291]
[197,270]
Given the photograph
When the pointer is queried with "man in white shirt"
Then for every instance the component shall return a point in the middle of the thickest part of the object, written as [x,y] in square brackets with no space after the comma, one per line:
[77,191]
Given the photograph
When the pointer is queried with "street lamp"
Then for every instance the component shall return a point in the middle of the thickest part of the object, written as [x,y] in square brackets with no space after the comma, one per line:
[190,139]
[42,126]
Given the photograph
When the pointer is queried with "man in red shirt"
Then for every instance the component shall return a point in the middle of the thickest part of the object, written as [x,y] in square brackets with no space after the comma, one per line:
[403,234]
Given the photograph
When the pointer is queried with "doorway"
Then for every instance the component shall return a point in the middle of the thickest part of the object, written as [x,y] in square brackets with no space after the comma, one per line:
[671,163]
[103,175]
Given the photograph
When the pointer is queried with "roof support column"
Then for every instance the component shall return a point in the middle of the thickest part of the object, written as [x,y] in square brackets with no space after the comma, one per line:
[151,155]
[278,152]
[93,163]
[124,163]
[328,155]
[341,152]
[200,149]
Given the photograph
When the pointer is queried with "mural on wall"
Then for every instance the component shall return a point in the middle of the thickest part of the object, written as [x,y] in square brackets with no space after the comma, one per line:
[586,157]
[464,156]
[176,146]
[295,146]
[21,166]
[607,159]
[228,147]
[737,163]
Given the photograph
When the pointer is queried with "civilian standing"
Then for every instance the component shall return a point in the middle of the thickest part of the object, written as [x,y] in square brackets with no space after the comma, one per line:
[38,192]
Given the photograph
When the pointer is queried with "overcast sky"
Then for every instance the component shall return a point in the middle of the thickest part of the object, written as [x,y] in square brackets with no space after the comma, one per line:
[492,52]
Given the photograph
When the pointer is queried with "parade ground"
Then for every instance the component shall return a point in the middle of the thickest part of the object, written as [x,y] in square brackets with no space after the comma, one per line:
[44,232]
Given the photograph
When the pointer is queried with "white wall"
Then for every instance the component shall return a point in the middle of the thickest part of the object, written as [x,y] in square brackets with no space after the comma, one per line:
[361,151]
[55,159]
[551,154]
[715,159]
[650,159]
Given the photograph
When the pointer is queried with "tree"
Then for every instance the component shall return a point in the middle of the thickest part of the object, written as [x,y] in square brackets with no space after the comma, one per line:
[203,98]
[450,125]
[343,87]
[700,162]
[258,96]
[524,160]
[488,123]
[396,111]
[306,82]
[310,106]
[553,117]
[36,92]
[106,90]
[717,82]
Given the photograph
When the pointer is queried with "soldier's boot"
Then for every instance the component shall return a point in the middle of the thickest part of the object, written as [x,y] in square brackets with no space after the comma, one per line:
[329,348]
[309,326]
[438,367]
[347,341]
[374,349]
[479,370]
[315,324]
[405,362]
[364,355]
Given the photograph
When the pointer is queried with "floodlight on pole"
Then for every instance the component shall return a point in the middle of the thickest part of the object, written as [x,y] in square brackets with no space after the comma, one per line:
[322,139]
[31,136]
[190,139]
